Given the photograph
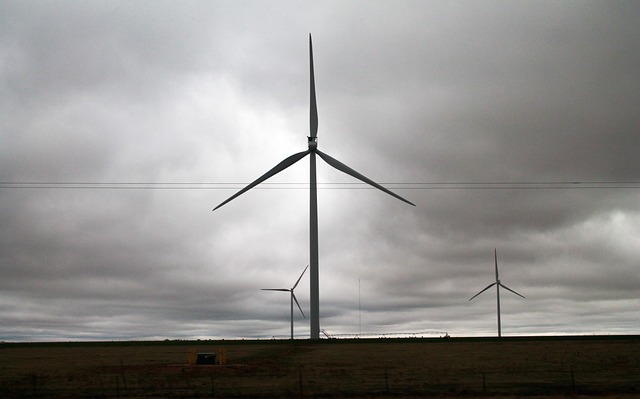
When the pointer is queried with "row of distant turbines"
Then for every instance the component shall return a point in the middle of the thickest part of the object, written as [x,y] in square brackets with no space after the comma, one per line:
[497,284]
[313,208]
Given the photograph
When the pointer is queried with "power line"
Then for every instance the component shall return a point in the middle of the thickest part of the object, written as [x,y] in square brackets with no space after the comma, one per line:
[487,185]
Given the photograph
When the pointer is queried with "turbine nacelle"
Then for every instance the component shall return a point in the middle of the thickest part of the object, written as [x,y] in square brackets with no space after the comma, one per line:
[313,143]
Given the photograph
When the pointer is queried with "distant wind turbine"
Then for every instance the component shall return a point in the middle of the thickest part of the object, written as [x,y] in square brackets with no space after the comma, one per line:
[498,284]
[293,297]
[313,195]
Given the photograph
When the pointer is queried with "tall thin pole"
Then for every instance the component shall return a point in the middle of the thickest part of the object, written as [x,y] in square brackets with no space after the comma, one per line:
[495,257]
[499,325]
[291,314]
[359,309]
[313,203]
[313,244]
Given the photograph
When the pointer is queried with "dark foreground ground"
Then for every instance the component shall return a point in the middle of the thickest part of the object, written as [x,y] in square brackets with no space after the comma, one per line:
[535,367]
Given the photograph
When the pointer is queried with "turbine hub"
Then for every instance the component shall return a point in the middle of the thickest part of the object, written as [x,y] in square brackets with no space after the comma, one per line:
[313,142]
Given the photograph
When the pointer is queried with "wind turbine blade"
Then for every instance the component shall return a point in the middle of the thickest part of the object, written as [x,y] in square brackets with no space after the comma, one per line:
[299,278]
[488,286]
[495,256]
[275,170]
[507,288]
[344,168]
[277,289]
[299,307]
[313,108]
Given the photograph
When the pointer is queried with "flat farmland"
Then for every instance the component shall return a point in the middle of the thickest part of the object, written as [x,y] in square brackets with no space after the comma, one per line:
[602,366]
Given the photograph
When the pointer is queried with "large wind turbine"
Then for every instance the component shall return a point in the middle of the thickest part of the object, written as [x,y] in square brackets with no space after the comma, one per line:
[498,284]
[293,297]
[313,195]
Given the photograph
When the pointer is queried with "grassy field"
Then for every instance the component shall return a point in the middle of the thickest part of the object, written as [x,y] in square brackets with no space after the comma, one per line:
[607,366]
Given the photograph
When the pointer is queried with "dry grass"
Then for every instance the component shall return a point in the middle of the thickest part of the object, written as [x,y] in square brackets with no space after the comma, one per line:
[533,367]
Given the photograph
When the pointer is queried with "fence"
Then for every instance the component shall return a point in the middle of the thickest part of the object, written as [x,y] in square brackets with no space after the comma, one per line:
[331,380]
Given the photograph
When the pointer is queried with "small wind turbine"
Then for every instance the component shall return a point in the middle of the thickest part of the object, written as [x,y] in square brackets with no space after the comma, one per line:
[293,297]
[314,285]
[498,284]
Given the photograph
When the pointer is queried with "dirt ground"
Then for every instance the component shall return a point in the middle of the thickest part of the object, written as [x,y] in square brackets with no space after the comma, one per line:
[535,367]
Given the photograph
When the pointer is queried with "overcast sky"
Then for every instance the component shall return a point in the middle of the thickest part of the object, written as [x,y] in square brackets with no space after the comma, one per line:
[512,125]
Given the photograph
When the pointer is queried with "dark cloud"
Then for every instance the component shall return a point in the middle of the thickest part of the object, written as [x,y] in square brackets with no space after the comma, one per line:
[152,93]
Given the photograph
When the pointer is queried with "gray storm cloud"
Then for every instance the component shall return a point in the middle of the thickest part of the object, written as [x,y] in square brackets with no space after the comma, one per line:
[123,124]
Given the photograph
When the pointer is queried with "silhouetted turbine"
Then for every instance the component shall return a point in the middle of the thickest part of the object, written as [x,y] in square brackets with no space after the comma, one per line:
[498,284]
[293,297]
[313,195]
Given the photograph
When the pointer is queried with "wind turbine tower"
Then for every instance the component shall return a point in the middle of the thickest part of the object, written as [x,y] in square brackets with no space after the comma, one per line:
[498,284]
[293,297]
[312,150]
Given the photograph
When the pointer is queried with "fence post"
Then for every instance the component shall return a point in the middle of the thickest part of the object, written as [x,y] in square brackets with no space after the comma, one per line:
[573,381]
[300,383]
[386,380]
[34,381]
[124,380]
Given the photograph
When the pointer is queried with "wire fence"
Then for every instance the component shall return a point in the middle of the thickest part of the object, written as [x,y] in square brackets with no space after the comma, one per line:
[277,380]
